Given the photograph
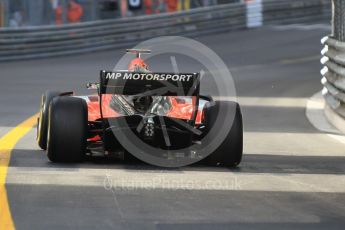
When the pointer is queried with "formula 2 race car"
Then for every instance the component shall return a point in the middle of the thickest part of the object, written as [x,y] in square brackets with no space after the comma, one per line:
[72,127]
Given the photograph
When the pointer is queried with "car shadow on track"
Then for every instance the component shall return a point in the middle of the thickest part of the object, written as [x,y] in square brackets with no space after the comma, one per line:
[252,163]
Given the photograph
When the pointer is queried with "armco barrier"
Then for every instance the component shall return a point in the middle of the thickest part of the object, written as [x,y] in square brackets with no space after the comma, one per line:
[47,41]
[292,11]
[333,74]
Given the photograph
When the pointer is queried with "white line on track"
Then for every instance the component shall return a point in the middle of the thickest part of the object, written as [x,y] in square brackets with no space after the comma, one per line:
[272,101]
[292,144]
[326,27]
[300,60]
[176,180]
[297,102]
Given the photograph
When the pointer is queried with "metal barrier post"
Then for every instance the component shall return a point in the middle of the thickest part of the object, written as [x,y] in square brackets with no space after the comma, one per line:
[254,13]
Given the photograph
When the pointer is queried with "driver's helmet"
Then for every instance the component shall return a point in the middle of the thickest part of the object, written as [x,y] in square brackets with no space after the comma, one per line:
[138,65]
[141,103]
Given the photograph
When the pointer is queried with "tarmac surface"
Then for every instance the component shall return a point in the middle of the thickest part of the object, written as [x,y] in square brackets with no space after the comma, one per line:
[291,177]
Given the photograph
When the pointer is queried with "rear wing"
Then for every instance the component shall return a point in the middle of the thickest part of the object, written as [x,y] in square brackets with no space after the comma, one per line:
[152,84]
[149,84]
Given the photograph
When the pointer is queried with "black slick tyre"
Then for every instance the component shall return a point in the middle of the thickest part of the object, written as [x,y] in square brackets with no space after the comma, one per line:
[229,152]
[67,129]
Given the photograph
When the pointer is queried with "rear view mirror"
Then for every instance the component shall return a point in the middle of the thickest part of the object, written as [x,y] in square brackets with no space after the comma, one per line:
[91,85]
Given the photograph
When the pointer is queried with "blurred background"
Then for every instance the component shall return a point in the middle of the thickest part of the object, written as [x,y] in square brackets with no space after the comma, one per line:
[42,28]
[18,13]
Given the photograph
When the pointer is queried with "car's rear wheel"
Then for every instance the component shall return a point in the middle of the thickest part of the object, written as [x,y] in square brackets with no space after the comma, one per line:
[229,152]
[67,129]
[42,122]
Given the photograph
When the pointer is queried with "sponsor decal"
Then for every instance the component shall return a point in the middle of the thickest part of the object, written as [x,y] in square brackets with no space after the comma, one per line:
[149,76]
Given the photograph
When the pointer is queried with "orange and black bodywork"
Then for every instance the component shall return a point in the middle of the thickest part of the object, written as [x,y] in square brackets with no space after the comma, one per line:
[172,97]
